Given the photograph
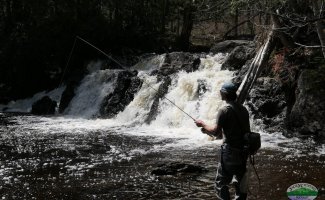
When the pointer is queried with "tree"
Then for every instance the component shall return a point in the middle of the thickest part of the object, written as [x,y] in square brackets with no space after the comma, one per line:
[318,7]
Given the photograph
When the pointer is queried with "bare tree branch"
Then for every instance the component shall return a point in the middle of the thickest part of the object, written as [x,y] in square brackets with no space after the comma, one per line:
[306,46]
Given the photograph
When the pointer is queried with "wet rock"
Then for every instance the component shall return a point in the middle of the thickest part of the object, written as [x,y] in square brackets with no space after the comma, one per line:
[67,96]
[308,113]
[238,57]
[127,85]
[267,102]
[202,87]
[177,61]
[241,73]
[162,91]
[177,168]
[44,106]
[228,45]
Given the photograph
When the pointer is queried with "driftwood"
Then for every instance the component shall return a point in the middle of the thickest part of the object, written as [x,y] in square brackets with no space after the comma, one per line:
[256,67]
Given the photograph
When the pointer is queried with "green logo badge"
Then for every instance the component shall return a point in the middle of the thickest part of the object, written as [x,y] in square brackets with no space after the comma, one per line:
[302,191]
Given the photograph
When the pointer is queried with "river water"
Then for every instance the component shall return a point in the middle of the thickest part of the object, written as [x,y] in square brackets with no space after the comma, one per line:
[79,156]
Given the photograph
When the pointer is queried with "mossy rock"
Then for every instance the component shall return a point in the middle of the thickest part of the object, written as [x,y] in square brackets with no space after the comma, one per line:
[314,82]
[308,113]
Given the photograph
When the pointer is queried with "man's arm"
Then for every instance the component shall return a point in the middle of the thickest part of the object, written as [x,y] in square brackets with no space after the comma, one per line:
[213,130]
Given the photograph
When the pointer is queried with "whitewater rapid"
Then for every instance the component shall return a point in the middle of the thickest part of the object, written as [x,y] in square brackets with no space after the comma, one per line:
[197,93]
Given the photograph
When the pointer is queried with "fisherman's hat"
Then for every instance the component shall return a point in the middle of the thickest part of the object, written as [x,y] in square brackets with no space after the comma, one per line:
[229,88]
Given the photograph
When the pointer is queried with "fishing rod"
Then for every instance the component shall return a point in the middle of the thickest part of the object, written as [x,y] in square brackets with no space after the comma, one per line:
[123,67]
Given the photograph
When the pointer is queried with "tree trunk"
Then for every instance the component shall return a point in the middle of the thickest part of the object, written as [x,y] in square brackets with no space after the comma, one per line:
[236,24]
[256,67]
[163,16]
[184,38]
[286,40]
[319,25]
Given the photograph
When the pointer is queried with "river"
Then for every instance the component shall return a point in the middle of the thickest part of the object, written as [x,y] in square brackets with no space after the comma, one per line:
[77,155]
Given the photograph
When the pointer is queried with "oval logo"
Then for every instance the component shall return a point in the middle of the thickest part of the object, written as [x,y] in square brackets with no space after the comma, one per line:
[302,191]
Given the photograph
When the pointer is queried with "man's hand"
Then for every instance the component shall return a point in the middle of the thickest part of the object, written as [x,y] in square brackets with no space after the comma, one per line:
[211,130]
[199,123]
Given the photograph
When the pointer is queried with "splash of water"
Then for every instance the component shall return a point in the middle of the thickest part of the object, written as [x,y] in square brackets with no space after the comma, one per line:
[91,93]
[197,93]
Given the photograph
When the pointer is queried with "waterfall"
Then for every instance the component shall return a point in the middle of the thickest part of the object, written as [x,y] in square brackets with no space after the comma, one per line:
[91,92]
[197,93]
[139,108]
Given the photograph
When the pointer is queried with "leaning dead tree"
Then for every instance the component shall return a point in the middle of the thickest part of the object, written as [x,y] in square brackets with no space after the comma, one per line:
[258,64]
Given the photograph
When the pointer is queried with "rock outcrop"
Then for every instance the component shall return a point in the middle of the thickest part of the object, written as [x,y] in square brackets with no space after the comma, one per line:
[177,61]
[173,63]
[238,57]
[44,106]
[67,95]
[127,85]
[267,102]
[162,91]
[228,45]
[308,113]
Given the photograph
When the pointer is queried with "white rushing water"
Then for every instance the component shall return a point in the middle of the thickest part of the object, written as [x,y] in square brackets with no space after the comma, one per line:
[91,92]
[25,105]
[197,93]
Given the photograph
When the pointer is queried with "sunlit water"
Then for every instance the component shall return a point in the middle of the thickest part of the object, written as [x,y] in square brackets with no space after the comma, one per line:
[77,156]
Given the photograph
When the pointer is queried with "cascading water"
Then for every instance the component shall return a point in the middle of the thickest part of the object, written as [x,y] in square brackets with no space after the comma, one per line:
[138,109]
[91,92]
[112,158]
[184,92]
[197,93]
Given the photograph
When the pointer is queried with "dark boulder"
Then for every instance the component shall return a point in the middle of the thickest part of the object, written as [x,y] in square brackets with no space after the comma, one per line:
[127,85]
[177,61]
[228,45]
[267,102]
[241,73]
[307,116]
[202,87]
[162,91]
[173,63]
[178,168]
[238,57]
[44,106]
[67,96]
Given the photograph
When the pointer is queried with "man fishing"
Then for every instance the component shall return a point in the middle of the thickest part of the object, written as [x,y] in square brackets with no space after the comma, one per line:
[232,122]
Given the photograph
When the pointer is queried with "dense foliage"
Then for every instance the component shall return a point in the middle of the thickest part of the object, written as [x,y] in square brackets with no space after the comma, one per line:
[36,35]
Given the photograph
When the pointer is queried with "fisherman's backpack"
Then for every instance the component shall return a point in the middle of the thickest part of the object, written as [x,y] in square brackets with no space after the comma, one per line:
[252,142]
[252,139]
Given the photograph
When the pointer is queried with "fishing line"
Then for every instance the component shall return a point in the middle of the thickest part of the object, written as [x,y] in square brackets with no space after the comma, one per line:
[66,66]
[123,67]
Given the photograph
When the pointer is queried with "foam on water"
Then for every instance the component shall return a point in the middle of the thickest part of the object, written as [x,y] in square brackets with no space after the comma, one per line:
[197,93]
[91,93]
[25,105]
[150,63]
[139,108]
